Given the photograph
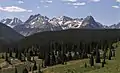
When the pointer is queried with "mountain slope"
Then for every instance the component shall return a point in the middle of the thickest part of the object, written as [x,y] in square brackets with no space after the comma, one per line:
[70,36]
[8,34]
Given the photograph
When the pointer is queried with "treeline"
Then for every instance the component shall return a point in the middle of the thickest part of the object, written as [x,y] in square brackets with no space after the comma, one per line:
[58,52]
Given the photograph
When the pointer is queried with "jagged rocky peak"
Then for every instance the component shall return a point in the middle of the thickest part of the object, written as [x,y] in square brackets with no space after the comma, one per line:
[89,19]
[115,26]
[12,22]
[89,22]
[38,17]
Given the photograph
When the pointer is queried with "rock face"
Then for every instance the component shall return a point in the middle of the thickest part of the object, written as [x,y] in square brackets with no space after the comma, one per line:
[12,22]
[38,23]
[89,22]
[115,26]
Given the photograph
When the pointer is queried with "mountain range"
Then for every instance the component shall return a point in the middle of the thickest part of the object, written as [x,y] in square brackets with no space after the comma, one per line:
[38,23]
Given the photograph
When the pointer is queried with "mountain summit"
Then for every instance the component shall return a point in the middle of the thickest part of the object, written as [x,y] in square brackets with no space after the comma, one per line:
[89,22]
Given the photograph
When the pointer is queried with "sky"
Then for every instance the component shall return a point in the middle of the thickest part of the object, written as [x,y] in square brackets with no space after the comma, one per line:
[106,12]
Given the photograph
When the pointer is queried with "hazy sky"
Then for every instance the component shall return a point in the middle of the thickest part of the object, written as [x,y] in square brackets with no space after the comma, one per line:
[104,11]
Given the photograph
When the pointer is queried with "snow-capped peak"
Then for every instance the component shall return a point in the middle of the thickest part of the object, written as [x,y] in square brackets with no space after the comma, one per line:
[12,22]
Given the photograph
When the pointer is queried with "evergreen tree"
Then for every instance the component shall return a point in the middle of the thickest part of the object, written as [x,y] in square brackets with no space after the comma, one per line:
[103,64]
[70,56]
[16,55]
[42,63]
[30,68]
[110,54]
[97,56]
[25,71]
[31,53]
[10,53]
[6,58]
[39,56]
[91,60]
[85,65]
[20,56]
[28,57]
[33,59]
[47,60]
[3,56]
[53,59]
[16,70]
[104,57]
[35,66]
[113,53]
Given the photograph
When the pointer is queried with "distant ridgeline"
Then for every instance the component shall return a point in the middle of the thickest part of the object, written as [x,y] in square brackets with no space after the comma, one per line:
[71,36]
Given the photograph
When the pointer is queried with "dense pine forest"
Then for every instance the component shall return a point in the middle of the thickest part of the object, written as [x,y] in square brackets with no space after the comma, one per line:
[41,51]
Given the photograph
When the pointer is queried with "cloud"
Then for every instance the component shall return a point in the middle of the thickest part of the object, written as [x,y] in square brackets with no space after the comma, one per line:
[14,9]
[79,4]
[118,1]
[20,2]
[69,0]
[115,6]
[95,0]
[48,1]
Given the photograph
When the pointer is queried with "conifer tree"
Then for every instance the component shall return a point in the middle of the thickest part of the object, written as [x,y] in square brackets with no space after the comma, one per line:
[6,58]
[103,64]
[10,53]
[110,54]
[91,60]
[35,66]
[113,53]
[70,56]
[28,57]
[104,57]
[3,56]
[97,56]
[53,59]
[16,54]
[16,70]
[85,65]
